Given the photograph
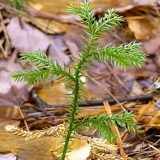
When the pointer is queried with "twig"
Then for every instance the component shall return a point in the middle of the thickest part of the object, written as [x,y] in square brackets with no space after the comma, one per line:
[156,149]
[25,123]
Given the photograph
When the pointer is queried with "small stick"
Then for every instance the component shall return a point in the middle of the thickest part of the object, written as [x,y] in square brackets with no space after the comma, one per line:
[116,131]
[25,123]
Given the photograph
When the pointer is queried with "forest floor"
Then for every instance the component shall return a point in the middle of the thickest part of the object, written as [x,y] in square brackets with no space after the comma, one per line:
[49,27]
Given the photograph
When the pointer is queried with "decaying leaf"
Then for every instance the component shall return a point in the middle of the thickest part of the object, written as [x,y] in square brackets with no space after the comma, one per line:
[136,89]
[11,92]
[26,38]
[79,150]
[143,28]
[29,39]
[59,6]
[146,115]
[55,93]
[10,112]
[49,147]
[152,45]
[155,121]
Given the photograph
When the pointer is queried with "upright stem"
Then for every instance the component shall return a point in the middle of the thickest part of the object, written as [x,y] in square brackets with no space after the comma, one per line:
[83,59]
[72,117]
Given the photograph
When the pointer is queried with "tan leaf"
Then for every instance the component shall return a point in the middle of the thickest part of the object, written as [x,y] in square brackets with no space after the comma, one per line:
[155,121]
[141,28]
[146,113]
[55,93]
[80,150]
[144,28]
[10,112]
[136,89]
[152,45]
[11,92]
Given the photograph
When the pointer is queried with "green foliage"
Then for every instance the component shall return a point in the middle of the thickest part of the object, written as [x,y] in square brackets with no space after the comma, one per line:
[46,68]
[103,123]
[18,4]
[125,55]
[32,77]
[95,28]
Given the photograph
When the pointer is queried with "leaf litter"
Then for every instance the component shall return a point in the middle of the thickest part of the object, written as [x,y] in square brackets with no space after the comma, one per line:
[61,40]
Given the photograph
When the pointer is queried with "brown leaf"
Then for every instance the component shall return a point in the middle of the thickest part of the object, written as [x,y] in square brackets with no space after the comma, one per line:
[27,38]
[142,28]
[50,27]
[47,148]
[157,57]
[155,121]
[136,89]
[73,39]
[80,150]
[58,50]
[10,112]
[146,112]
[152,45]
[11,92]
[55,93]
[59,6]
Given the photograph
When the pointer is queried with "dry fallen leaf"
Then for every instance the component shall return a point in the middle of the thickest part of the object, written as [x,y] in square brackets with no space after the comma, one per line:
[58,50]
[136,89]
[59,6]
[155,121]
[142,28]
[29,39]
[146,113]
[50,27]
[11,92]
[80,150]
[55,93]
[152,45]
[10,112]
[46,147]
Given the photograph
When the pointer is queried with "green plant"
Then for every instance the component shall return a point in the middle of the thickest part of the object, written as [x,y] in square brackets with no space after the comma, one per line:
[124,56]
[18,4]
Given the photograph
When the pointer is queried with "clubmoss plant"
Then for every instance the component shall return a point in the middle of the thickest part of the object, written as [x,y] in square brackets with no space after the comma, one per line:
[124,56]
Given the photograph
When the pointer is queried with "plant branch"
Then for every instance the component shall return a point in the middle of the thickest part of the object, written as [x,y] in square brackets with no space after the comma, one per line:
[124,56]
